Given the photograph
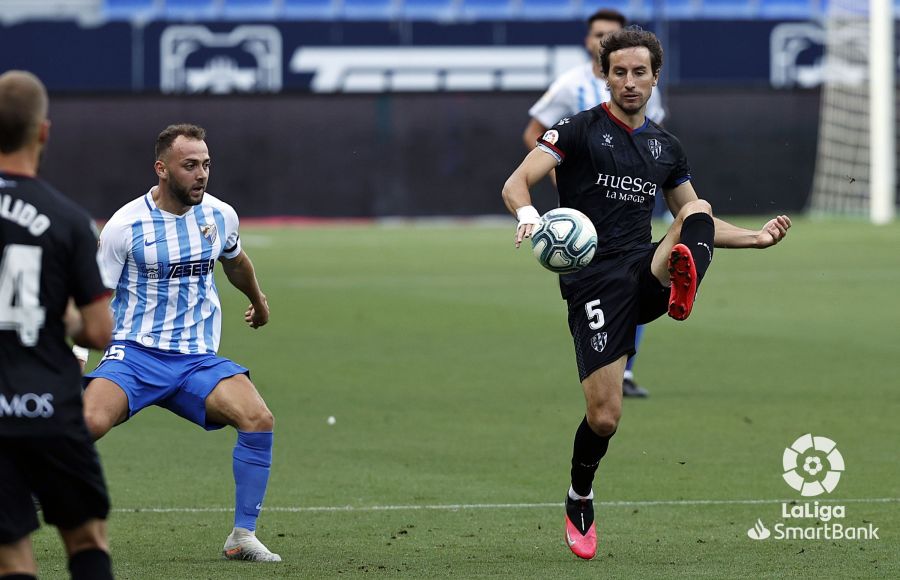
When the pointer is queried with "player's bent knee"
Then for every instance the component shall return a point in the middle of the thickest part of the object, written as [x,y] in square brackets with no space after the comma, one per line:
[98,424]
[259,419]
[696,206]
[603,422]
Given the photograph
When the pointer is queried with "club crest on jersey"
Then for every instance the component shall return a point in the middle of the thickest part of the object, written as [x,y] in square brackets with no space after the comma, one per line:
[655,148]
[209,232]
[551,136]
[151,271]
[607,140]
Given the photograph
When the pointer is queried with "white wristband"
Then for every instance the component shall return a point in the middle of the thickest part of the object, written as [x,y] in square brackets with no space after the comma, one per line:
[528,215]
[80,353]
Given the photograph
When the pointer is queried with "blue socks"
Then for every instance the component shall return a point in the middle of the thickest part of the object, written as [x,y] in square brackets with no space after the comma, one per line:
[252,463]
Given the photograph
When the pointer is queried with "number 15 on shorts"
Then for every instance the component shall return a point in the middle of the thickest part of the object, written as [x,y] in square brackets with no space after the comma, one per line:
[594,315]
[114,352]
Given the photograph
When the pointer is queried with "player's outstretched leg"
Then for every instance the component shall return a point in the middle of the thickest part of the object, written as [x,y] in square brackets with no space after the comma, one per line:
[252,463]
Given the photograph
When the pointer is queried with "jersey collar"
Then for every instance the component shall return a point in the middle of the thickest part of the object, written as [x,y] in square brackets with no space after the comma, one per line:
[619,122]
[148,199]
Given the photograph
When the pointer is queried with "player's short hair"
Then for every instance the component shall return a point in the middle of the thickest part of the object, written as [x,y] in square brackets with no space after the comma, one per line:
[23,107]
[631,37]
[169,134]
[607,14]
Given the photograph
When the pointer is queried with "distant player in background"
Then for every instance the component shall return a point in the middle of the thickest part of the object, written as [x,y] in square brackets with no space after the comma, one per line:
[161,249]
[579,89]
[611,162]
[48,256]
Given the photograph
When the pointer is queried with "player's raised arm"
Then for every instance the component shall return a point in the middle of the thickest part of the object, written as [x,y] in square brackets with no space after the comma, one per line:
[517,190]
[729,235]
[242,276]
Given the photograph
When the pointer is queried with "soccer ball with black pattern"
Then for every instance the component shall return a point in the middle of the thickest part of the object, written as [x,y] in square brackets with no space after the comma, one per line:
[564,241]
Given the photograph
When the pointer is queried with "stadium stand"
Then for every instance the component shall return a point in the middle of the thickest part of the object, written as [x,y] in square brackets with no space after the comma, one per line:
[86,11]
[437,10]
[250,9]
[309,9]
[550,9]
[487,9]
[369,9]
[131,9]
[776,9]
[191,9]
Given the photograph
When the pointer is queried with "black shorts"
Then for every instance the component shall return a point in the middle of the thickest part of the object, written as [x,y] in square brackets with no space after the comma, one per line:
[606,307]
[62,471]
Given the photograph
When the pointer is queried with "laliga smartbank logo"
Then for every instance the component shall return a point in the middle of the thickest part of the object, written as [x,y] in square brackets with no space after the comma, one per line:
[804,465]
[812,466]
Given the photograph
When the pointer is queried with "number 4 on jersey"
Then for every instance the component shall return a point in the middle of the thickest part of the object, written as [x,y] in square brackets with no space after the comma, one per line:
[20,288]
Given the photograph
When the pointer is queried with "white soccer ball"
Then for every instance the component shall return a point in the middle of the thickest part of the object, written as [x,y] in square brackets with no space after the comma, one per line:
[564,241]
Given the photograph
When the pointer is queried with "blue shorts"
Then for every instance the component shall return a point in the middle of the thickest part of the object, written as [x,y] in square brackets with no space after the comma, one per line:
[171,380]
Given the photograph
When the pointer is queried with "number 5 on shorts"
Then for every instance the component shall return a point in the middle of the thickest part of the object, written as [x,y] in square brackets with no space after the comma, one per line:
[594,314]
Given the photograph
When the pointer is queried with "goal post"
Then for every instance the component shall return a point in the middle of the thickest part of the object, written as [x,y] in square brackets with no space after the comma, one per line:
[882,64]
[856,160]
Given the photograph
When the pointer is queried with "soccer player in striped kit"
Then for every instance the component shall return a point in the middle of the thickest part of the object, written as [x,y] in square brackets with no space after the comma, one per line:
[161,249]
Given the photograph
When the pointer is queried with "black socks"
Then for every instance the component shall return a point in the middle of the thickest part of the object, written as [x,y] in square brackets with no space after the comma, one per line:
[698,233]
[90,565]
[587,452]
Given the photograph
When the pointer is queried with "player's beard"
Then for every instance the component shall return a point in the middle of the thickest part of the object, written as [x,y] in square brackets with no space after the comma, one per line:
[633,107]
[183,194]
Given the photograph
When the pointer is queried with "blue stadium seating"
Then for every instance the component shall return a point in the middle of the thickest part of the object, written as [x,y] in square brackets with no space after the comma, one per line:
[460,10]
[680,9]
[630,8]
[311,9]
[191,9]
[550,9]
[487,9]
[250,9]
[727,9]
[801,9]
[130,9]
[368,9]
[440,10]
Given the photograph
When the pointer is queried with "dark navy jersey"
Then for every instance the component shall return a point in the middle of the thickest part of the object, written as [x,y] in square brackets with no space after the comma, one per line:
[48,253]
[613,174]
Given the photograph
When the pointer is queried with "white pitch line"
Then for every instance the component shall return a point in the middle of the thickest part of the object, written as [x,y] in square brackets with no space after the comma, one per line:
[489,506]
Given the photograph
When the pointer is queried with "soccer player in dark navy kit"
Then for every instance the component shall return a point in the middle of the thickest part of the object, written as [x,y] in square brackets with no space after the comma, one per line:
[611,162]
[48,256]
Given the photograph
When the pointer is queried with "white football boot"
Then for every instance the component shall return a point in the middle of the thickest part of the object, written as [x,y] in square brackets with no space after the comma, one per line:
[243,545]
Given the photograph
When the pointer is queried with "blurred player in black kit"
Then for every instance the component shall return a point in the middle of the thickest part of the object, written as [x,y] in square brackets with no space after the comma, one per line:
[611,162]
[48,260]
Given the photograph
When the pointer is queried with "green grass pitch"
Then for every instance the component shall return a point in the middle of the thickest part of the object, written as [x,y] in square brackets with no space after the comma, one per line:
[445,358]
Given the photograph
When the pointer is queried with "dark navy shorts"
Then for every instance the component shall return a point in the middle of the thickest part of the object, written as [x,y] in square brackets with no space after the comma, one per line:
[62,471]
[614,296]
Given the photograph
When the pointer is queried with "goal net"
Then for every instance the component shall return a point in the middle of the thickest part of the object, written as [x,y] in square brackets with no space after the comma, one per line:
[844,179]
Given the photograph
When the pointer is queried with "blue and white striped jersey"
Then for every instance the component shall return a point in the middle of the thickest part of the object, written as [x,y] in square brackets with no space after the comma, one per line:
[161,266]
[578,90]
